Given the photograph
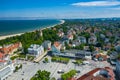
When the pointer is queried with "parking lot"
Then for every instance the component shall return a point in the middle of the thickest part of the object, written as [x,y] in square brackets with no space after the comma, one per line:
[30,68]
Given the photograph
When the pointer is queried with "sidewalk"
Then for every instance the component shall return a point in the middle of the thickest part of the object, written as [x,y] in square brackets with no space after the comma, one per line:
[40,57]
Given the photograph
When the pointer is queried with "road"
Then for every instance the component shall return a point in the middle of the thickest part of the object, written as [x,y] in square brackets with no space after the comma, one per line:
[31,68]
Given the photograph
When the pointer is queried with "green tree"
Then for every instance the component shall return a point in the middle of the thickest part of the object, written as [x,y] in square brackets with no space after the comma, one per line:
[92,48]
[53,78]
[41,75]
[46,60]
[68,75]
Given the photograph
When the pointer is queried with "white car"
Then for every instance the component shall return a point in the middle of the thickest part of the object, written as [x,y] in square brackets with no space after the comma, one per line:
[86,62]
[60,71]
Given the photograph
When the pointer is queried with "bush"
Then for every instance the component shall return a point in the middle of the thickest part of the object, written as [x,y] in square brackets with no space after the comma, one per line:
[60,59]
[68,75]
[46,60]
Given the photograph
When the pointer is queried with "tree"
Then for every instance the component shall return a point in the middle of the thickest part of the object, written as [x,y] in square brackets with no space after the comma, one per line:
[68,75]
[41,75]
[46,60]
[92,48]
[53,78]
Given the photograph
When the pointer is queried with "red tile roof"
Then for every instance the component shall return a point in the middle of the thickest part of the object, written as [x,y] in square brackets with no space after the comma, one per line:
[56,44]
[10,48]
[2,61]
[1,55]
[72,79]
[90,76]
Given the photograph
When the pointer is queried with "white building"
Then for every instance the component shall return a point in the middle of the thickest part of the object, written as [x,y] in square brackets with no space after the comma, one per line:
[92,40]
[118,69]
[6,71]
[35,50]
[47,45]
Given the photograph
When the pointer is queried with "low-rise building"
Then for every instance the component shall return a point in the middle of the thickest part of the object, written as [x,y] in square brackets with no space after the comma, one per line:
[100,56]
[92,40]
[118,69]
[70,36]
[82,39]
[83,55]
[35,50]
[6,71]
[99,74]
[60,34]
[10,49]
[56,47]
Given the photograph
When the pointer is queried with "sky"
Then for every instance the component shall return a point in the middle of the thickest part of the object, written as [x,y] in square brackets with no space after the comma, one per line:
[60,8]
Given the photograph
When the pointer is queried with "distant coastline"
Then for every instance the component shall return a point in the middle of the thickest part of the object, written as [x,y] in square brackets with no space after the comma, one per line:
[18,34]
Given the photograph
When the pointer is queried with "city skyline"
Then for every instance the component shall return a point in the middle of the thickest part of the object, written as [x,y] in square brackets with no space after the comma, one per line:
[60,9]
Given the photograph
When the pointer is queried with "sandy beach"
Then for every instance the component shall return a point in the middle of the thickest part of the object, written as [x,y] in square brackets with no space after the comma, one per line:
[18,34]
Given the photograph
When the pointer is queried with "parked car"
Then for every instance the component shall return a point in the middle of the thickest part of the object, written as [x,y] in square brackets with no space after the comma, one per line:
[78,71]
[86,62]
[60,71]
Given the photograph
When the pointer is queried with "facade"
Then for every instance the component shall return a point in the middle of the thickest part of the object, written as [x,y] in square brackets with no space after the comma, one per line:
[35,50]
[82,39]
[6,71]
[100,56]
[84,55]
[92,40]
[99,74]
[60,34]
[113,57]
[9,49]
[70,36]
[56,47]
[118,69]
[47,45]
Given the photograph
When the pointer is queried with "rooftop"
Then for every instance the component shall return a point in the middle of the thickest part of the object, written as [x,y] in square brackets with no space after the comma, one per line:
[99,74]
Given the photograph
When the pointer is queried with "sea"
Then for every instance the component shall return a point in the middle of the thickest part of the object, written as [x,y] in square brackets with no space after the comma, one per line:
[9,27]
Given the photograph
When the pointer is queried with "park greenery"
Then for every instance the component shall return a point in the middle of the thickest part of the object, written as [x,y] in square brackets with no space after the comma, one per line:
[18,67]
[68,75]
[78,61]
[46,60]
[60,59]
[41,75]
[20,56]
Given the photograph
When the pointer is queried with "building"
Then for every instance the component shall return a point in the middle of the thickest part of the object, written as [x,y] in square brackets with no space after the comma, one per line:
[83,55]
[2,56]
[10,49]
[70,37]
[56,47]
[82,39]
[47,45]
[113,57]
[35,50]
[92,40]
[99,74]
[6,71]
[60,34]
[117,47]
[100,56]
[118,69]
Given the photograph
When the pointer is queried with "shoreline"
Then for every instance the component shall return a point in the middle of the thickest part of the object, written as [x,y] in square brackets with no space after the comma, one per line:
[18,34]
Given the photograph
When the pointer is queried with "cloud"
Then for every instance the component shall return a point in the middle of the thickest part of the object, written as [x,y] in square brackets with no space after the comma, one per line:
[97,3]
